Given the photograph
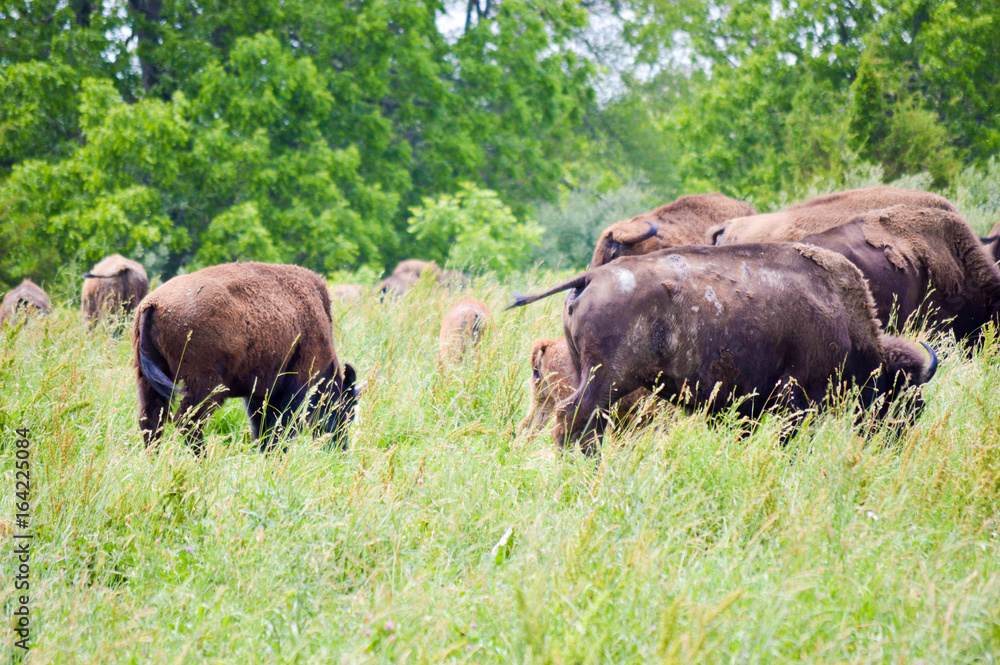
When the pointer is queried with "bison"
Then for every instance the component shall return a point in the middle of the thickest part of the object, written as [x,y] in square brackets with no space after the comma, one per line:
[924,263]
[408,272]
[348,292]
[683,222]
[553,379]
[764,325]
[25,295]
[252,330]
[114,285]
[462,328]
[821,213]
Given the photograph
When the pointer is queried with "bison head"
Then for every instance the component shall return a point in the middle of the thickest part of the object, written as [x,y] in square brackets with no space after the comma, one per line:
[625,239]
[335,400]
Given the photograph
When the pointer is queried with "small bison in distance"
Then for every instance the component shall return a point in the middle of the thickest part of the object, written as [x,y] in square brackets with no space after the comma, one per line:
[113,286]
[921,262]
[407,274]
[686,221]
[769,325]
[252,330]
[553,379]
[26,295]
[821,213]
[462,328]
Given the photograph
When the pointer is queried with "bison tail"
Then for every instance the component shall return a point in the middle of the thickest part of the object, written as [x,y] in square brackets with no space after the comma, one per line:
[581,280]
[150,359]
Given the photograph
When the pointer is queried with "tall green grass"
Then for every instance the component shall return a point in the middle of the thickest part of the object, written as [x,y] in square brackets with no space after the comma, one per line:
[438,537]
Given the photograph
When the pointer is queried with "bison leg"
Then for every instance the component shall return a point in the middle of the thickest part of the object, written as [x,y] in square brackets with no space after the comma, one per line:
[152,412]
[190,419]
[271,414]
[583,415]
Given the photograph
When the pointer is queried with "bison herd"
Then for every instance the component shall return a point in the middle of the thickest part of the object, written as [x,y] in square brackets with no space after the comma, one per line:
[701,302]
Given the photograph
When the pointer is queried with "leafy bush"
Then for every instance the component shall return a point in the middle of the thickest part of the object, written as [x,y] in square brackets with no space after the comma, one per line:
[473,229]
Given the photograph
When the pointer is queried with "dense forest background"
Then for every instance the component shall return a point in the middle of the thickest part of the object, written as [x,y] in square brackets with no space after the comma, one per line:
[343,135]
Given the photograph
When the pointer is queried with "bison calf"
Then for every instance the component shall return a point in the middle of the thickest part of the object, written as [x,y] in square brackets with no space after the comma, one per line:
[26,295]
[462,328]
[685,221]
[764,325]
[113,286]
[252,330]
[553,379]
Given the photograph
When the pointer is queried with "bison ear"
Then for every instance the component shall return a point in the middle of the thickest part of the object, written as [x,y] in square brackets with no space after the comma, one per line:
[631,232]
[350,377]
[715,233]
[538,350]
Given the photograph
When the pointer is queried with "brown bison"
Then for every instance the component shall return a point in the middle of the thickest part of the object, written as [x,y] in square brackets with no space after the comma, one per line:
[763,325]
[408,272]
[114,285]
[683,222]
[25,295]
[553,379]
[348,292]
[252,330]
[923,262]
[462,328]
[821,213]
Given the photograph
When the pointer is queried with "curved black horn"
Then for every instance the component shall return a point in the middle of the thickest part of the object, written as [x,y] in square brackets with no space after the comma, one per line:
[932,370]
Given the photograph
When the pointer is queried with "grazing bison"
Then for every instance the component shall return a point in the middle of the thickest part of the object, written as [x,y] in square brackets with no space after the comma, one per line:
[252,330]
[766,324]
[922,262]
[683,222]
[821,213]
[408,272]
[553,379]
[114,285]
[348,292]
[25,295]
[462,328]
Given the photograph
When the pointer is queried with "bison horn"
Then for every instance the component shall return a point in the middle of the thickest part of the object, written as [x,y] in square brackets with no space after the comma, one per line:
[932,370]
[633,232]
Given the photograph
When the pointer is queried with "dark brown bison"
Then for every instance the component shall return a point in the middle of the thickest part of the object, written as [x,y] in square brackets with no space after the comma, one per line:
[25,295]
[462,328]
[765,325]
[252,330]
[114,285]
[821,213]
[553,379]
[922,262]
[686,221]
[991,243]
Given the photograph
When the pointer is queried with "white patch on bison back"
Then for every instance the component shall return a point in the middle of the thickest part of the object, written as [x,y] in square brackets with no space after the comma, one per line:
[710,297]
[626,280]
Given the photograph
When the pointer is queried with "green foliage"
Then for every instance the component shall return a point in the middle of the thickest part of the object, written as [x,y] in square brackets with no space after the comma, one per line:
[473,229]
[573,226]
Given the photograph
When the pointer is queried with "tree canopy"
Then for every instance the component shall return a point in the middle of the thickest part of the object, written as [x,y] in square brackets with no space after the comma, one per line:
[187,133]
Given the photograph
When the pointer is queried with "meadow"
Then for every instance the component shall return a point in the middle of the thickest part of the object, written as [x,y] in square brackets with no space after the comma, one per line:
[440,537]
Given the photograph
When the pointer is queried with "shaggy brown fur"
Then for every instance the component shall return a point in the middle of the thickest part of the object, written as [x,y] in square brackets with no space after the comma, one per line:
[252,330]
[765,325]
[25,295]
[821,213]
[683,222]
[462,328]
[922,262]
[114,285]
[553,379]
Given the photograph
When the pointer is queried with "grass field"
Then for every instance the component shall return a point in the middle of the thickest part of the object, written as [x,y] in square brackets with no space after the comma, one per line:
[438,537]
